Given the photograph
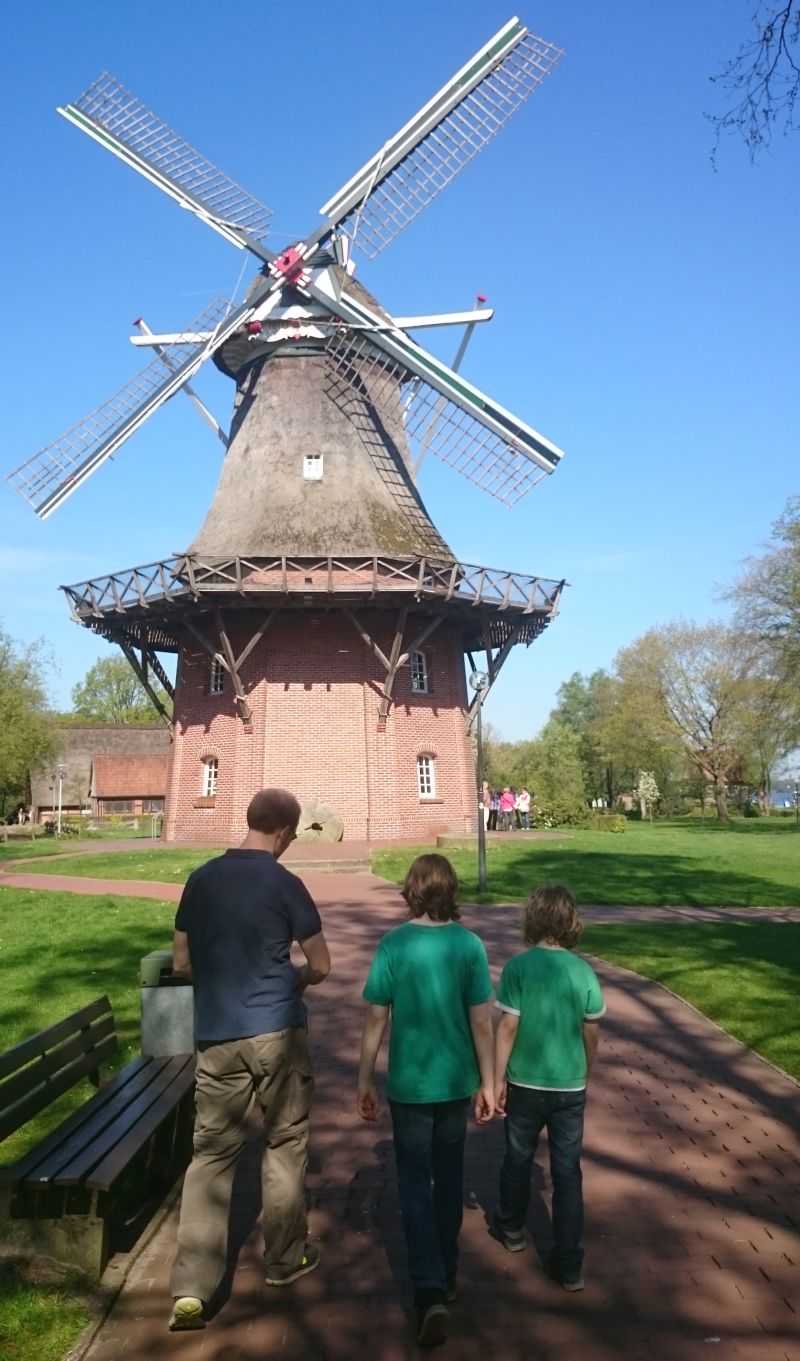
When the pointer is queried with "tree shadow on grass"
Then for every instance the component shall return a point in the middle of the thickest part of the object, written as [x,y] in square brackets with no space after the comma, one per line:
[657,880]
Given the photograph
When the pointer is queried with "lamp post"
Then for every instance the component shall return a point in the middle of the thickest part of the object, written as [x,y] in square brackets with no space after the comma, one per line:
[480,684]
[61,774]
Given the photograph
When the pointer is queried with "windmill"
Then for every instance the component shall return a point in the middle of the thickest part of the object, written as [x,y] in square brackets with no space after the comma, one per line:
[319,618]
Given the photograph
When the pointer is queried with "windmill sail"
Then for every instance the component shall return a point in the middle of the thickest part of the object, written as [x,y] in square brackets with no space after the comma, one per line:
[116,119]
[51,475]
[425,155]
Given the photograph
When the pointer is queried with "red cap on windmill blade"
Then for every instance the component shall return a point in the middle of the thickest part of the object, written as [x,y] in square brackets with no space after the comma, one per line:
[480,297]
[254,328]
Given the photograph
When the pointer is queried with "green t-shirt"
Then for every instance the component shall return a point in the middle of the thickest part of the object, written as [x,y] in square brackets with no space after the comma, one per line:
[553,992]
[430,976]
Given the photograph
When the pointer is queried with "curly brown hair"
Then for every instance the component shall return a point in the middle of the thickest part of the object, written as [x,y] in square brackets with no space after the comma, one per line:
[551,914]
[431,888]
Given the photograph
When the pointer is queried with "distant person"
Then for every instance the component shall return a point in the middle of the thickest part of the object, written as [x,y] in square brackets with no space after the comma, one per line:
[433,976]
[524,809]
[235,925]
[507,801]
[545,1046]
[485,803]
[494,808]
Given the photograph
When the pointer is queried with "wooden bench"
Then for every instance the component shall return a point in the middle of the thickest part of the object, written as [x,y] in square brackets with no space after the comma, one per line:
[72,1197]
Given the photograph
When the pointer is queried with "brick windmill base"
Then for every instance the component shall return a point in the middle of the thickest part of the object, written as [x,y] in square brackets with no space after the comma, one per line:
[343,680]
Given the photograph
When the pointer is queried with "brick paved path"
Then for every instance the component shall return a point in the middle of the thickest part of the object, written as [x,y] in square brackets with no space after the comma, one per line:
[692,1180]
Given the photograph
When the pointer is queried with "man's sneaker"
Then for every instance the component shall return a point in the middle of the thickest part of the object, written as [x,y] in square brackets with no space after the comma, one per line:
[280,1275]
[513,1240]
[452,1288]
[187,1313]
[432,1318]
[571,1283]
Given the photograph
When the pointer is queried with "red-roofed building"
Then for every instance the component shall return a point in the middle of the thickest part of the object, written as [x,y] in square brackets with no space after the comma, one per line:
[128,784]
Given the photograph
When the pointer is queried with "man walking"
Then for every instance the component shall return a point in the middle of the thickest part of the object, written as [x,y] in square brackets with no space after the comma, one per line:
[234,928]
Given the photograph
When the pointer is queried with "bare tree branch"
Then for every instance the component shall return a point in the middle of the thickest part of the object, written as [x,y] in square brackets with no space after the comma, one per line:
[763,80]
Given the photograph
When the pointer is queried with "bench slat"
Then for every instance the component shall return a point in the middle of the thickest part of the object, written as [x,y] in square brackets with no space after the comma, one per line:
[98,1115]
[38,1101]
[31,1078]
[128,1079]
[121,1140]
[109,1169]
[26,1050]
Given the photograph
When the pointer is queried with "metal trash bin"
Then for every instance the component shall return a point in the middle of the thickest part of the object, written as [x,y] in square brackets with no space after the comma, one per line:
[167,1025]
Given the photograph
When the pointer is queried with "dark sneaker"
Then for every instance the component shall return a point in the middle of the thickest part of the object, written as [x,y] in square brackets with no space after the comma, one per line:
[187,1313]
[571,1283]
[513,1240]
[284,1275]
[452,1288]
[432,1318]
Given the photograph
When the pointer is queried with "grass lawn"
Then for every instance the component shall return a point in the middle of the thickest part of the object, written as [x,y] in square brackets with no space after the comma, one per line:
[39,1320]
[743,975]
[57,952]
[164,865]
[60,950]
[744,864]
[42,846]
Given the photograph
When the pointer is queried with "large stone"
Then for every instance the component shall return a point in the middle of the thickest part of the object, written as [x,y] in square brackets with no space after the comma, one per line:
[319,822]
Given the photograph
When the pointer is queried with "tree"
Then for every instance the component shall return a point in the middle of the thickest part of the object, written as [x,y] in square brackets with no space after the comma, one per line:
[581,700]
[763,79]
[647,792]
[556,765]
[111,693]
[27,731]
[692,683]
[767,596]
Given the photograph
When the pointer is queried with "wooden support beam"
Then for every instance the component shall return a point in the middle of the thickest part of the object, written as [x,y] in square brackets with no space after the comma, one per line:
[370,642]
[416,643]
[145,680]
[494,665]
[241,698]
[394,662]
[259,633]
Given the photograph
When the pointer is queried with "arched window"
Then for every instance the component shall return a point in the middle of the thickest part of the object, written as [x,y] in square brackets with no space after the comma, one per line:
[210,774]
[426,776]
[419,673]
[217,682]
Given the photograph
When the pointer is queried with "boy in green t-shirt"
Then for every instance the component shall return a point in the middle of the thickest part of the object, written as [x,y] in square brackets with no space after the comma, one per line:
[545,1045]
[433,975]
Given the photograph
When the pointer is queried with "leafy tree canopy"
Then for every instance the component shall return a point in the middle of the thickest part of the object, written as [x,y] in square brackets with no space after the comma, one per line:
[27,731]
[111,693]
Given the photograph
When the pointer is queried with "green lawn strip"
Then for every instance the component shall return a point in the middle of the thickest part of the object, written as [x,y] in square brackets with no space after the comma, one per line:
[164,866]
[39,1320]
[746,864]
[40,848]
[58,951]
[745,976]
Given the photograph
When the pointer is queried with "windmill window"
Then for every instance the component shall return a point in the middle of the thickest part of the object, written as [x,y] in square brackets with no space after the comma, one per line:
[419,673]
[217,683]
[426,777]
[312,467]
[210,774]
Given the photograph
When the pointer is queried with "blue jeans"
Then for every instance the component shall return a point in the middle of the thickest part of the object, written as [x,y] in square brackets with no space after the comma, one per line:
[527,1113]
[429,1149]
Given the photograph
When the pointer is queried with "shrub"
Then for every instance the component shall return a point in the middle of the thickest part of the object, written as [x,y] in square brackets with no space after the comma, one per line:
[751,810]
[608,822]
[558,813]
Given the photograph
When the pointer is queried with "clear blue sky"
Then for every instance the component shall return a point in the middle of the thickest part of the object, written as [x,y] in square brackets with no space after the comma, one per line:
[646,307]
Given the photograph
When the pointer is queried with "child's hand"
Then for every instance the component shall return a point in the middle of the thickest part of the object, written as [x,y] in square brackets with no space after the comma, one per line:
[369,1102]
[500,1094]
[484,1105]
